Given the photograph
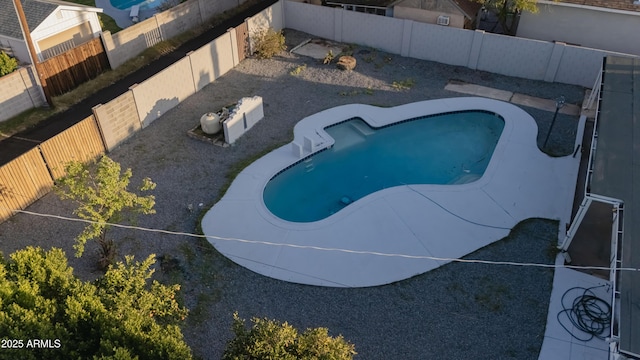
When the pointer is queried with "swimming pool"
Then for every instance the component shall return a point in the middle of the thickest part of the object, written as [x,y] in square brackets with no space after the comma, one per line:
[127,4]
[452,148]
[424,223]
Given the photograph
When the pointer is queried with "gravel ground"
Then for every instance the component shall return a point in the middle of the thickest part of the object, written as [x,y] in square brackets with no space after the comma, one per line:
[458,311]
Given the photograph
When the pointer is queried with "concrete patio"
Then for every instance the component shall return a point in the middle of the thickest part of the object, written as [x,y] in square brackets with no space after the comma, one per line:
[419,221]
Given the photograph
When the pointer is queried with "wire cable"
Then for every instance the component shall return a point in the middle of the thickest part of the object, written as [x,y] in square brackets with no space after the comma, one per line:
[319,248]
[588,313]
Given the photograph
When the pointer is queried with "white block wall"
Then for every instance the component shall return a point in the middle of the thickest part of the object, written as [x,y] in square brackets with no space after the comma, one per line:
[246,114]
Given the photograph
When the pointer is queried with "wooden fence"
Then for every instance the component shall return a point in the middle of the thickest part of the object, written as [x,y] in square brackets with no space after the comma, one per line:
[70,69]
[31,176]
[23,181]
[242,33]
[81,142]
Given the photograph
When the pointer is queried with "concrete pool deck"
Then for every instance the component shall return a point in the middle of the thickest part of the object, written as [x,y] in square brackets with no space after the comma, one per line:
[423,225]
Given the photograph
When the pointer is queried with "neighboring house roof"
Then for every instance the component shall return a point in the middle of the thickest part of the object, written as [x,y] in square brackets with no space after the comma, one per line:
[377,3]
[626,5]
[469,8]
[36,11]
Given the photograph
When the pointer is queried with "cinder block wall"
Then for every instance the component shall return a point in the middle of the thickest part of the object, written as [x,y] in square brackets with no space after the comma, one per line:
[210,8]
[131,41]
[20,92]
[118,119]
[179,19]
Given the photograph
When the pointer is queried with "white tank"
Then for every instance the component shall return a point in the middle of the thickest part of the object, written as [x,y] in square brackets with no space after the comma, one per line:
[210,123]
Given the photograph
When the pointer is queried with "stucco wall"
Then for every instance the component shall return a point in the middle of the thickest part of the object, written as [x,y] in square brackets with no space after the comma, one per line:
[163,91]
[213,60]
[440,43]
[377,31]
[507,55]
[580,26]
[319,20]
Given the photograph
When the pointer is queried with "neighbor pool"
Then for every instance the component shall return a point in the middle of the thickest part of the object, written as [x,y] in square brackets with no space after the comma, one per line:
[452,148]
[127,4]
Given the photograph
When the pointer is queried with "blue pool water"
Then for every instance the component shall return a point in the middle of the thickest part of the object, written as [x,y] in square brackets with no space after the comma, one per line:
[127,4]
[452,148]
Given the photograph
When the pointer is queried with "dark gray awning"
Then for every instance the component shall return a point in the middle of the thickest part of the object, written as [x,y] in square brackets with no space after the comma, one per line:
[616,174]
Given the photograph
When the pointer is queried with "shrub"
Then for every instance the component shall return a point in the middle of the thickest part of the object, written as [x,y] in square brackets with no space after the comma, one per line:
[119,316]
[298,69]
[7,64]
[268,43]
[268,339]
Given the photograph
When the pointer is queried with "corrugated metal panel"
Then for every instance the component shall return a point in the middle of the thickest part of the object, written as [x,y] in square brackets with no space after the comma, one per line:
[81,142]
[23,180]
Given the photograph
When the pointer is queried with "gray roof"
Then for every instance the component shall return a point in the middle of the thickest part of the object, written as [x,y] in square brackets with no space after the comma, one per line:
[36,11]
[616,165]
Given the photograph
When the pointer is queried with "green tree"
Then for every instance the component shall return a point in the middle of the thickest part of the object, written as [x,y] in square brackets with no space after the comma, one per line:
[270,340]
[7,64]
[100,190]
[119,316]
[506,10]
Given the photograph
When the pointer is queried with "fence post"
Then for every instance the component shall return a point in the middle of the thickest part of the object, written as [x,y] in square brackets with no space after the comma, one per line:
[94,111]
[476,47]
[155,16]
[281,2]
[201,9]
[27,88]
[107,40]
[337,24]
[405,50]
[554,61]
[234,46]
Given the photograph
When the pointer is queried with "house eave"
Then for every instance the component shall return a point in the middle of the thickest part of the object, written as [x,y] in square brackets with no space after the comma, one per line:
[588,7]
[80,8]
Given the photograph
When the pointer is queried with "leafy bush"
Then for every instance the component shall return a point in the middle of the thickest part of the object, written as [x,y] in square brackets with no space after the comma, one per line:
[7,64]
[119,316]
[268,339]
[268,43]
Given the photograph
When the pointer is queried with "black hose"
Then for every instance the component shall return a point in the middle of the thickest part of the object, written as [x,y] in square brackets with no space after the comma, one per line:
[588,313]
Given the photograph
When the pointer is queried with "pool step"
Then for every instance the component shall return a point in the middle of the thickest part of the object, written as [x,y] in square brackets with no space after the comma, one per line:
[309,166]
[363,129]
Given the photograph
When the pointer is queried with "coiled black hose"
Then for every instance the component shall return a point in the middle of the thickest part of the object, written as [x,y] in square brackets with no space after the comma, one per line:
[588,313]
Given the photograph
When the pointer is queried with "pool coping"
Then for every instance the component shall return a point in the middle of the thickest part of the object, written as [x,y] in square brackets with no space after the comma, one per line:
[468,216]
